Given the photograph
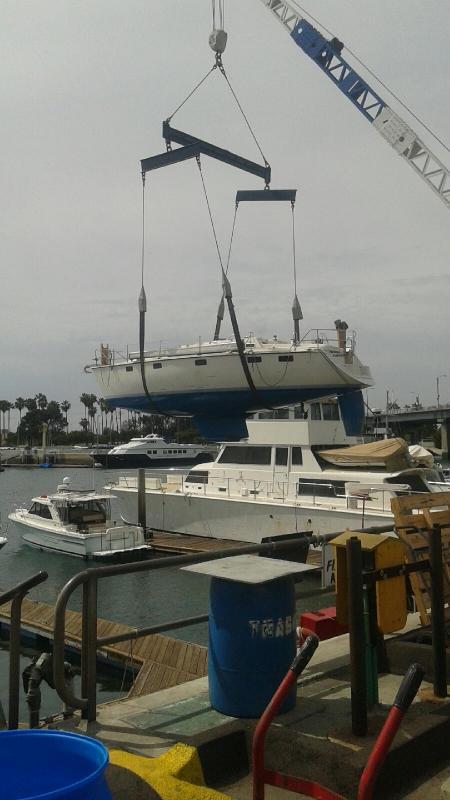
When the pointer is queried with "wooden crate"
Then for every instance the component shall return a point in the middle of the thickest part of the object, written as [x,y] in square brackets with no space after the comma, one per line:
[415,516]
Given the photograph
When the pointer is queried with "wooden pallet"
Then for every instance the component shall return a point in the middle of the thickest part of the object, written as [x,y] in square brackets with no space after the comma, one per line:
[415,516]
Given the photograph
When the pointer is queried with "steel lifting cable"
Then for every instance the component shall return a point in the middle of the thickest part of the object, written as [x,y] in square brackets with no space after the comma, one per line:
[142,304]
[229,298]
[296,308]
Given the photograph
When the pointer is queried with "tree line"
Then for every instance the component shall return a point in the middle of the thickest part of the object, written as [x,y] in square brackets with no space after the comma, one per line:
[101,422]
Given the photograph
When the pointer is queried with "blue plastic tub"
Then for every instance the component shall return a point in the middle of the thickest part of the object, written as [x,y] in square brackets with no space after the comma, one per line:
[52,765]
[251,644]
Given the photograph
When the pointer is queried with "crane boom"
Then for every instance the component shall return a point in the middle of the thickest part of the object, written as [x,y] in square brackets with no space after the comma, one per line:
[327,55]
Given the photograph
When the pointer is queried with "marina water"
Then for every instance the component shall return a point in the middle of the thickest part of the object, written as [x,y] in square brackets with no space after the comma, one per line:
[136,600]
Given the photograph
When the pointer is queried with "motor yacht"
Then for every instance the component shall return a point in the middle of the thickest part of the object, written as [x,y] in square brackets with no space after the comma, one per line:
[298,474]
[78,522]
[152,451]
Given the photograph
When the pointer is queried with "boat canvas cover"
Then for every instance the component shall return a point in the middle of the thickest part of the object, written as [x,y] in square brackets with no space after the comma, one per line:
[421,456]
[390,453]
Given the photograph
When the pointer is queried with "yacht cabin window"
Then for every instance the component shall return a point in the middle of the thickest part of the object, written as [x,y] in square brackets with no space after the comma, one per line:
[315,411]
[297,456]
[317,488]
[240,454]
[330,411]
[281,456]
[40,510]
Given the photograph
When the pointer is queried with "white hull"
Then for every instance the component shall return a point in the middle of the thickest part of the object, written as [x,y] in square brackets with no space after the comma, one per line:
[115,541]
[241,520]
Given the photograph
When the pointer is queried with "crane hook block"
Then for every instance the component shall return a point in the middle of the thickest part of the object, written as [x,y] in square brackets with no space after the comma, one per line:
[218,40]
[266,195]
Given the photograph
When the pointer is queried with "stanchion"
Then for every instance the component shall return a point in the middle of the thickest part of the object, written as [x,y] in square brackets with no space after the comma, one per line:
[357,638]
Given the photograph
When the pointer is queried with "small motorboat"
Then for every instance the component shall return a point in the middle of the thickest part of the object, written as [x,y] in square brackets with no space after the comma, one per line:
[78,522]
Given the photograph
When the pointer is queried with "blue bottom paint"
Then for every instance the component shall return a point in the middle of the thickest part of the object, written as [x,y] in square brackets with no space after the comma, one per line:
[220,415]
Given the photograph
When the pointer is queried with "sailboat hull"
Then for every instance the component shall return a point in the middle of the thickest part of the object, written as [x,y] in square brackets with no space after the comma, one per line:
[213,387]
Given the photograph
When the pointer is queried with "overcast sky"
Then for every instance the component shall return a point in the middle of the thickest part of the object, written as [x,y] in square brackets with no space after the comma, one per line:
[85,87]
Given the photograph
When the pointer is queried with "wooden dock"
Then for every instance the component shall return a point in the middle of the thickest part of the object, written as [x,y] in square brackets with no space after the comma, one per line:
[161,660]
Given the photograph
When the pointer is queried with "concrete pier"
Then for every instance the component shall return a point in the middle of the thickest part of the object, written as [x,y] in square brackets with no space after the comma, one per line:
[313,741]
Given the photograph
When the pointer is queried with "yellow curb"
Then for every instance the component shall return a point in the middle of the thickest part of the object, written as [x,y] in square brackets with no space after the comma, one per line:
[176,775]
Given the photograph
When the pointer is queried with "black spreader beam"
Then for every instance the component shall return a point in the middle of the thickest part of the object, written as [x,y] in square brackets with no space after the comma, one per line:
[266,195]
[171,157]
[185,139]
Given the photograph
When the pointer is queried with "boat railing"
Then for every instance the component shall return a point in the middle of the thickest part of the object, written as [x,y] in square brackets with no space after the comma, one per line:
[16,596]
[250,489]
[321,336]
[120,534]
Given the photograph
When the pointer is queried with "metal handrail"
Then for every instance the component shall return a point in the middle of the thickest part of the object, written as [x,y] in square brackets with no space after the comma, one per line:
[88,579]
[16,594]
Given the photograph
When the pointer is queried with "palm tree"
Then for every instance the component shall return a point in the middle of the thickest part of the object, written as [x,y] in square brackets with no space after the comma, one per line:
[41,401]
[5,405]
[65,405]
[92,412]
[104,409]
[20,405]
[84,424]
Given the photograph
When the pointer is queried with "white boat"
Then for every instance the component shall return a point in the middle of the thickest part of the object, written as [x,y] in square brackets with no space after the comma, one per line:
[78,523]
[207,380]
[152,451]
[290,475]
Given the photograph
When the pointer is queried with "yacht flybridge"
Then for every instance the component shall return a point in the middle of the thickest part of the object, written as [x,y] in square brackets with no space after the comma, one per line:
[290,475]
[78,523]
[207,380]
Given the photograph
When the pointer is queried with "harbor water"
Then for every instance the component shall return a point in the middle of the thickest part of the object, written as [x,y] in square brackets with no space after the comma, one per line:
[137,600]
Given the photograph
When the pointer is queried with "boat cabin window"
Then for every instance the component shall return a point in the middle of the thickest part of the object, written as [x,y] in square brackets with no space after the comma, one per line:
[128,368]
[91,511]
[157,365]
[256,454]
[40,510]
[330,411]
[199,476]
[309,486]
[200,362]
[289,357]
[254,359]
[297,456]
[315,411]
[415,482]
[281,456]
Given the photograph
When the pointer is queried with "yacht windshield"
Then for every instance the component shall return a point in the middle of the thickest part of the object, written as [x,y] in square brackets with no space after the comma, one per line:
[88,512]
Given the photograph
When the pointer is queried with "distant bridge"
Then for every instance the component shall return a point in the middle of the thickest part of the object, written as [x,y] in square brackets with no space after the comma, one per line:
[410,419]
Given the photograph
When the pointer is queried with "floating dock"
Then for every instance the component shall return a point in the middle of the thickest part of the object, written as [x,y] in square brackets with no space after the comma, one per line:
[161,661]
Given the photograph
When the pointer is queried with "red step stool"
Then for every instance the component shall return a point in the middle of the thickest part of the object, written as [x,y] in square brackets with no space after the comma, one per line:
[323,623]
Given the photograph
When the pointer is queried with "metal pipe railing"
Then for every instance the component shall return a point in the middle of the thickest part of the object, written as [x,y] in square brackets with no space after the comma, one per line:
[16,595]
[89,578]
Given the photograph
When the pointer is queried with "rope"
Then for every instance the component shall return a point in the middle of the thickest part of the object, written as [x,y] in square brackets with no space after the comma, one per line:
[374,75]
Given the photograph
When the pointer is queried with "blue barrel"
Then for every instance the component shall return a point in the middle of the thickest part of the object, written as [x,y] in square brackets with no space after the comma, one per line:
[52,765]
[251,644]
